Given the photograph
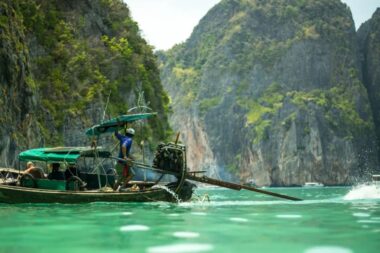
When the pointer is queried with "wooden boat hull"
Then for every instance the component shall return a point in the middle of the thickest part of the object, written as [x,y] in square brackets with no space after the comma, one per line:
[16,194]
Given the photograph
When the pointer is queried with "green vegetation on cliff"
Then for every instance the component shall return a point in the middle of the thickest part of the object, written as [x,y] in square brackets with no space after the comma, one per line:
[289,22]
[338,105]
[16,84]
[273,77]
[234,50]
[81,51]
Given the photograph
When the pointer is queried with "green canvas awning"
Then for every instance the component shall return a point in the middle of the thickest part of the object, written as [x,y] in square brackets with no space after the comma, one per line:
[117,123]
[61,154]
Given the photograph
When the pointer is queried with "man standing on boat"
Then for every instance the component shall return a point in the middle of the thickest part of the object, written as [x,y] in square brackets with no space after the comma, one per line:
[123,167]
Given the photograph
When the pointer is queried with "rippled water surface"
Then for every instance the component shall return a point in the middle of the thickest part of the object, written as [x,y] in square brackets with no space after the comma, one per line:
[339,220]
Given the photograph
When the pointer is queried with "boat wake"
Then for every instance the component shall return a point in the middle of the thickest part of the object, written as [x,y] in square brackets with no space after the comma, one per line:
[175,196]
[257,202]
[364,191]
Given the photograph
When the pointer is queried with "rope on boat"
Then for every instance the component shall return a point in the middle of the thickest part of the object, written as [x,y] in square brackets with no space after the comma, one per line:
[96,165]
[101,162]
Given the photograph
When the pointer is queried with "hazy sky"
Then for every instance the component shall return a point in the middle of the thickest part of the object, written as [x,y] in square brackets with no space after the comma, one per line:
[164,23]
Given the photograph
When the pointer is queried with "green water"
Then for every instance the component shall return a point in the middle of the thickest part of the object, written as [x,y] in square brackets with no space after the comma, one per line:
[231,222]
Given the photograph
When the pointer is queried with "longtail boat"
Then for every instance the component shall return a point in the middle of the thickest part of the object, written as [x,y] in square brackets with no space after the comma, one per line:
[94,178]
[90,175]
[85,186]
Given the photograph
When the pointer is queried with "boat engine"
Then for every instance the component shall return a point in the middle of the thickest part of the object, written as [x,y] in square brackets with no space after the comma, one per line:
[170,156]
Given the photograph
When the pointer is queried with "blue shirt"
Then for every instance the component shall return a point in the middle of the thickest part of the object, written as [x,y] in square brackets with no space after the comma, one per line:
[125,141]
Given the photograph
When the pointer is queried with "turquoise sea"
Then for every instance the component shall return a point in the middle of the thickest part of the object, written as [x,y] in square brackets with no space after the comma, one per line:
[339,220]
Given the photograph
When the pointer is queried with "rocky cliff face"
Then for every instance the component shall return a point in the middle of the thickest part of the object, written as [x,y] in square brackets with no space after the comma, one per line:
[18,126]
[272,90]
[60,61]
[369,43]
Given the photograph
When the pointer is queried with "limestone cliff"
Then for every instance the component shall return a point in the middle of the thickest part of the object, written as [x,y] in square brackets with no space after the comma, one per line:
[18,126]
[60,60]
[369,42]
[273,90]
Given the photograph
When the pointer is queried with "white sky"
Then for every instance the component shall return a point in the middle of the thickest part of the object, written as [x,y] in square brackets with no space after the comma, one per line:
[164,23]
[362,10]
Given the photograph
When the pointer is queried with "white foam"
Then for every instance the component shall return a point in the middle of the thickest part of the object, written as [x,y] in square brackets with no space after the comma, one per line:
[132,228]
[363,192]
[361,214]
[368,221]
[328,249]
[199,213]
[230,203]
[108,214]
[173,214]
[181,248]
[237,219]
[219,197]
[258,202]
[186,234]
[127,213]
[289,216]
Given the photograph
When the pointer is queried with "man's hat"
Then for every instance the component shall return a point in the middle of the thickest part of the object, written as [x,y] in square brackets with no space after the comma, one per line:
[131,131]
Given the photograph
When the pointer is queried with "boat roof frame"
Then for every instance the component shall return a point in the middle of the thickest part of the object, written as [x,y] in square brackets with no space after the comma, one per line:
[62,154]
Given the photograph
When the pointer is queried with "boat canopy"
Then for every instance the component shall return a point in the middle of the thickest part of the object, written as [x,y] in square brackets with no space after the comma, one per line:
[117,123]
[61,154]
